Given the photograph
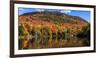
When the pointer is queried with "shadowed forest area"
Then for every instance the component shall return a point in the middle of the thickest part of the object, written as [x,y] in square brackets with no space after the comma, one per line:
[38,30]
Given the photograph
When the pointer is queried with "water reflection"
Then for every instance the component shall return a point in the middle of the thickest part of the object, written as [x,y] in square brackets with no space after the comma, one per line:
[44,39]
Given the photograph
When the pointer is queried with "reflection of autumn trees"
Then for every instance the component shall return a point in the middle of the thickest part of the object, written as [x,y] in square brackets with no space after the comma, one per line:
[85,33]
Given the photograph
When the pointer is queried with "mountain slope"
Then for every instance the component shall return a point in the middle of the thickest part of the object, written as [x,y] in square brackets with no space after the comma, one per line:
[54,18]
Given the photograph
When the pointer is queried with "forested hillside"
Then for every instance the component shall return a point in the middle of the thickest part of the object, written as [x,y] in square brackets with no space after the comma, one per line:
[52,30]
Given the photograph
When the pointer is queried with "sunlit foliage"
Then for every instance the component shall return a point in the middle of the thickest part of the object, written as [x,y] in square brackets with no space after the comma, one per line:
[48,31]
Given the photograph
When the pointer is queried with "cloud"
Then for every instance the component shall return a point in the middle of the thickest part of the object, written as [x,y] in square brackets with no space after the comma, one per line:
[65,11]
[39,10]
[54,10]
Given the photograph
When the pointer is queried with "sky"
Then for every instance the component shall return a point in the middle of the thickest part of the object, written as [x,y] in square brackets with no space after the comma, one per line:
[81,13]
